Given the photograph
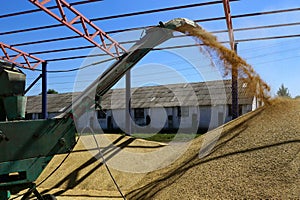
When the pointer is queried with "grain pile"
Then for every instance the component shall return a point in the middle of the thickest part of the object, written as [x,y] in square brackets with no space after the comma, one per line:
[83,176]
[257,156]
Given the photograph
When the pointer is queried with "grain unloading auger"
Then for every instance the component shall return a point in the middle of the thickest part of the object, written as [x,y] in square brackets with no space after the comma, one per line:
[27,146]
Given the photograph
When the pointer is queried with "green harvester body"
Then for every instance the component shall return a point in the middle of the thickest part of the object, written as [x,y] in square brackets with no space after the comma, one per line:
[26,146]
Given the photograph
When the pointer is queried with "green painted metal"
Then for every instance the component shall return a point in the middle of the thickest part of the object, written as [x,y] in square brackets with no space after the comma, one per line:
[15,107]
[4,195]
[2,111]
[35,138]
[12,80]
[23,171]
[12,88]
[28,146]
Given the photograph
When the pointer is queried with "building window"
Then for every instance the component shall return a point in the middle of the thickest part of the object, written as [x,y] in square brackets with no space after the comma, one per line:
[139,113]
[183,111]
[101,114]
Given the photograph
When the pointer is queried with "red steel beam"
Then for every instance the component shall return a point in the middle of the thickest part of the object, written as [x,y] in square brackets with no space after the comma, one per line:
[89,31]
[229,22]
[18,55]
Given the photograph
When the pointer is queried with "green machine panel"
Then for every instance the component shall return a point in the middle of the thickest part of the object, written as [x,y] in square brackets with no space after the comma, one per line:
[28,146]
[12,80]
[12,88]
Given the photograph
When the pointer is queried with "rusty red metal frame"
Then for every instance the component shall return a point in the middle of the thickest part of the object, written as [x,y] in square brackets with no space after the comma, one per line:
[229,22]
[18,54]
[114,49]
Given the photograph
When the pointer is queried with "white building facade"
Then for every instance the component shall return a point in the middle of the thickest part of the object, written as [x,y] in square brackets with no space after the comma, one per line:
[197,107]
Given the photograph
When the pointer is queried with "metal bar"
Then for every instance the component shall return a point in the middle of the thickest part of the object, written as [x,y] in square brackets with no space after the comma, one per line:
[234,84]
[45,1]
[4,52]
[44,90]
[94,35]
[39,10]
[124,30]
[229,22]
[136,13]
[33,83]
[269,38]
[84,26]
[74,20]
[61,10]
[102,40]
[85,21]
[234,70]
[16,57]
[20,53]
[136,28]
[36,64]
[161,10]
[26,60]
[158,49]
[117,52]
[128,103]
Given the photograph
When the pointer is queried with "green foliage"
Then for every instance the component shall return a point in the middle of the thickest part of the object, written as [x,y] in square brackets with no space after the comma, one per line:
[283,92]
[52,91]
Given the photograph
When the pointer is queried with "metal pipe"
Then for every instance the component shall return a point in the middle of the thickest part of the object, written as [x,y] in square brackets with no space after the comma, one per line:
[128,103]
[39,10]
[235,104]
[33,83]
[44,90]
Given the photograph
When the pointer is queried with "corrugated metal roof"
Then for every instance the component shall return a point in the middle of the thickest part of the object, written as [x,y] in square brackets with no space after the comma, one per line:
[183,94]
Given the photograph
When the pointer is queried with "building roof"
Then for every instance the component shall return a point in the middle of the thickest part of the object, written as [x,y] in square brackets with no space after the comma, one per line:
[182,94]
[55,104]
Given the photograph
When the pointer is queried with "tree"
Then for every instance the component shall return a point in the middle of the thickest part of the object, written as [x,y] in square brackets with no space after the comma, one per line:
[50,91]
[283,91]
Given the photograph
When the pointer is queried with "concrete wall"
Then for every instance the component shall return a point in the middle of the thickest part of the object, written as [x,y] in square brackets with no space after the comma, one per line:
[204,117]
[158,119]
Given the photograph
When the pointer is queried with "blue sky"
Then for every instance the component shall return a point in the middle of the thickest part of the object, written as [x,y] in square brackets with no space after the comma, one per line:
[275,60]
